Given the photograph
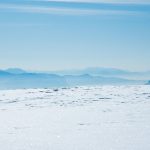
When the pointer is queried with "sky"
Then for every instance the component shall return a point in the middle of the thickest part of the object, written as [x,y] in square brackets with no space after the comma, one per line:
[74,34]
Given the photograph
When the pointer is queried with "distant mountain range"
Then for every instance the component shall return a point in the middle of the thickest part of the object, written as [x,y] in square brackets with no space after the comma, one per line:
[107,72]
[14,78]
[30,80]
[148,83]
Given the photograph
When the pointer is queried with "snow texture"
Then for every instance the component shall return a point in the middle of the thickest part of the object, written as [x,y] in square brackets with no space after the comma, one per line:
[79,118]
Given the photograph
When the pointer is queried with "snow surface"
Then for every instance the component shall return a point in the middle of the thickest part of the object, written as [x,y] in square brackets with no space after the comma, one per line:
[80,118]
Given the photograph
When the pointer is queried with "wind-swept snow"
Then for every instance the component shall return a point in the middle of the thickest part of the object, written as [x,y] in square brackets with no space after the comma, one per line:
[80,118]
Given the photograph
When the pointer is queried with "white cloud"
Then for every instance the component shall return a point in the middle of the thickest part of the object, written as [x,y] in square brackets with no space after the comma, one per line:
[63,11]
[66,11]
[104,1]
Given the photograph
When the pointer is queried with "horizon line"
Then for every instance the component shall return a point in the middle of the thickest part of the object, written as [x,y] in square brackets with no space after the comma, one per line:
[74,69]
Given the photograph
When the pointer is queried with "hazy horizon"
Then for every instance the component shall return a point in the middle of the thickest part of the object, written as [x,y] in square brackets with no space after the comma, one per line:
[73,69]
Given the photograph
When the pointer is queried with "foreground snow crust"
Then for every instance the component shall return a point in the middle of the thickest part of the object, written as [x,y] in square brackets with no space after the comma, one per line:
[79,118]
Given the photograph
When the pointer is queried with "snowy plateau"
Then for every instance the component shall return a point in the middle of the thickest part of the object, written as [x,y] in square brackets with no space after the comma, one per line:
[77,118]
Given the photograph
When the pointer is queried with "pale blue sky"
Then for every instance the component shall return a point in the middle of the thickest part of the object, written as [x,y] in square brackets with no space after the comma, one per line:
[65,34]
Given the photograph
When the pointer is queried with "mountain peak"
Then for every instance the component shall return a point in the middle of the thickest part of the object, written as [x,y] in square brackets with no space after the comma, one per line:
[15,70]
